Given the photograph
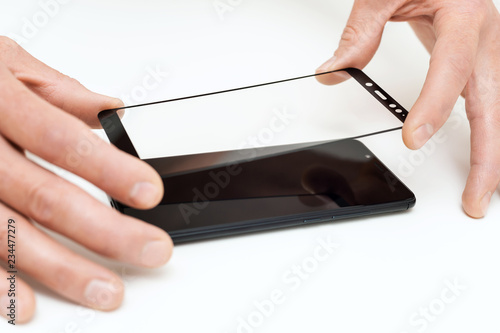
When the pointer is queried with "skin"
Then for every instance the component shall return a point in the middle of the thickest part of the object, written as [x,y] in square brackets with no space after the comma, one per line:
[463,38]
[50,114]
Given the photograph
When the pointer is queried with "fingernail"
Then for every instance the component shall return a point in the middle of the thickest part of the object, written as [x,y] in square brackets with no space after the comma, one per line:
[113,103]
[144,194]
[421,135]
[119,103]
[104,295]
[485,203]
[155,253]
[108,102]
[327,65]
[120,113]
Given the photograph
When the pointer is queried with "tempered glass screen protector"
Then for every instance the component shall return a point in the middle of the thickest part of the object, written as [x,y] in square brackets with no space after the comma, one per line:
[265,114]
[219,180]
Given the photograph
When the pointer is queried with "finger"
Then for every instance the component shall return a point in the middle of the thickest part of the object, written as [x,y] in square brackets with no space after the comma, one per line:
[484,175]
[451,65]
[58,89]
[61,270]
[68,210]
[17,300]
[359,41]
[63,140]
[425,33]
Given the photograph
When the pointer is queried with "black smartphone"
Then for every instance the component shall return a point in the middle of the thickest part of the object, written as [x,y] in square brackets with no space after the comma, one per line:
[221,193]
[321,182]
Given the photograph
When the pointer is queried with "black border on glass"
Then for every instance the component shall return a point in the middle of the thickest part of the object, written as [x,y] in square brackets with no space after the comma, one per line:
[119,137]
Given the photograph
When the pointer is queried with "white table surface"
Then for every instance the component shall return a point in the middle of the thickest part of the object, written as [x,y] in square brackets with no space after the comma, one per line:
[386,268]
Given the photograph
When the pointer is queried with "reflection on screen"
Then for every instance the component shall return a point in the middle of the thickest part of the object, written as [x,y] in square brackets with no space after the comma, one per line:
[295,181]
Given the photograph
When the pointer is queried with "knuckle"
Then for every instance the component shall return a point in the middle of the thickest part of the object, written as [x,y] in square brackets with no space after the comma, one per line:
[7,45]
[461,65]
[69,79]
[51,87]
[477,8]
[108,250]
[473,12]
[483,170]
[42,200]
[484,113]
[350,34]
[54,145]
[55,137]
[359,30]
[63,277]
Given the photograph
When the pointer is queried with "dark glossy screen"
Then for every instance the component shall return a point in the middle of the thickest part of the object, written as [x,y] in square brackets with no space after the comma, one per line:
[223,188]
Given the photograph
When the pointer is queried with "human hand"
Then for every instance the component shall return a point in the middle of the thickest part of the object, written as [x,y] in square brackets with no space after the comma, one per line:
[39,108]
[463,37]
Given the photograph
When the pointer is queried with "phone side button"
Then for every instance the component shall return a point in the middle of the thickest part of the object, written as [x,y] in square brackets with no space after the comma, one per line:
[319,220]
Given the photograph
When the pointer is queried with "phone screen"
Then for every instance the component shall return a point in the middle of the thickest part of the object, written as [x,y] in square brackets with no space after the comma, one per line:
[269,183]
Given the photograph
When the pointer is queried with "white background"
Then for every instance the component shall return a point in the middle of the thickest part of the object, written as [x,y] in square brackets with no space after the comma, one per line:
[386,267]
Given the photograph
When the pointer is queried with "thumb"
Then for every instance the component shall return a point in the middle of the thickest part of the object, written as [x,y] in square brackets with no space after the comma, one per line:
[359,41]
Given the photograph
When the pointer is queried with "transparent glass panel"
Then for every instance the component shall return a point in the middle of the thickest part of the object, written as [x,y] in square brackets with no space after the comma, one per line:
[290,111]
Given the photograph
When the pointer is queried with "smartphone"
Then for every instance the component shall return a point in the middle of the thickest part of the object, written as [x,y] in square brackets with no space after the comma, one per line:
[220,193]
[321,182]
